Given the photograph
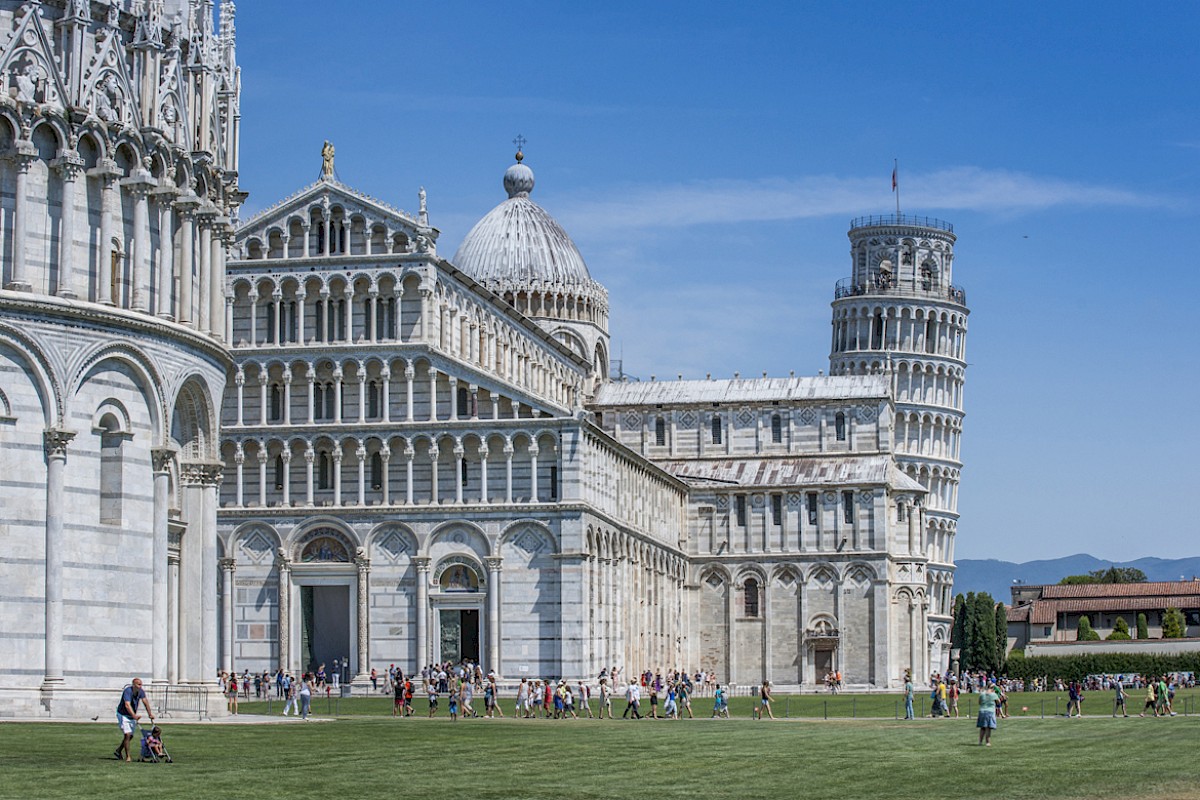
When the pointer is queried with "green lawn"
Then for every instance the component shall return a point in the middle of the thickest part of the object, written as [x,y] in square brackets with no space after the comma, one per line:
[381,757]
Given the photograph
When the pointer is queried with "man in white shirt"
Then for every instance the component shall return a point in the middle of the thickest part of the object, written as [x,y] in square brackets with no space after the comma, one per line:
[633,697]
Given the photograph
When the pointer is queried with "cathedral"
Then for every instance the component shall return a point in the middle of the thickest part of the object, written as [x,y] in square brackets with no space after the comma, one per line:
[309,438]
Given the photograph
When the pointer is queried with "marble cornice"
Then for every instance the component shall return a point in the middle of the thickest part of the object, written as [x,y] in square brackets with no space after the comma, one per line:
[83,315]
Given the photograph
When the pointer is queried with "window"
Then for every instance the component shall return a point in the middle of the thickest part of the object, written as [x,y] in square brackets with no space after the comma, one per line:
[330,400]
[811,502]
[777,509]
[900,512]
[373,395]
[740,507]
[320,322]
[839,424]
[386,322]
[750,600]
[279,476]
[272,324]
[776,428]
[112,470]
[716,429]
[660,432]
[1046,630]
[464,403]
[276,402]
[376,471]
[848,507]
[554,482]
[324,471]
[463,472]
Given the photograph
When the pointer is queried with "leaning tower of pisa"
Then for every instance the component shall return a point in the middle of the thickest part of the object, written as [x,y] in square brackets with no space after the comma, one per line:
[900,312]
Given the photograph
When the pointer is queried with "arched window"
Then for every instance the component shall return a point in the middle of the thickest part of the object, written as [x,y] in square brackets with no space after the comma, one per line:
[276,402]
[750,601]
[112,468]
[464,402]
[716,429]
[324,470]
[377,471]
[839,424]
[373,396]
[776,429]
[660,432]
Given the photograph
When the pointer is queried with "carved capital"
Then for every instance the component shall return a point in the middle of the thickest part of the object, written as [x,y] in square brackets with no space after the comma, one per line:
[493,563]
[161,458]
[422,563]
[55,442]
[202,473]
[227,564]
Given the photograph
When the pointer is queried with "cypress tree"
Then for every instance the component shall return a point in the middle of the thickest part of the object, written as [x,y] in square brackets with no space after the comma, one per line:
[1143,630]
[1001,635]
[958,632]
[1173,624]
[1085,632]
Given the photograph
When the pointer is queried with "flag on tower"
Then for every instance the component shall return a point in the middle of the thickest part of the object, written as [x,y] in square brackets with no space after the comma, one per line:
[894,178]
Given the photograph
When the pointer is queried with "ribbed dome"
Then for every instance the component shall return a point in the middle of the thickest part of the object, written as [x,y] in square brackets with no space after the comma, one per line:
[518,243]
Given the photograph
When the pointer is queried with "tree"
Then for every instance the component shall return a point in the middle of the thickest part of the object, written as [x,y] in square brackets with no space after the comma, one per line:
[1113,574]
[980,652]
[1001,635]
[1085,632]
[1120,630]
[1173,624]
[958,631]
[1143,631]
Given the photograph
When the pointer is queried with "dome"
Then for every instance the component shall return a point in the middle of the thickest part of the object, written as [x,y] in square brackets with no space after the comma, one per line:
[518,244]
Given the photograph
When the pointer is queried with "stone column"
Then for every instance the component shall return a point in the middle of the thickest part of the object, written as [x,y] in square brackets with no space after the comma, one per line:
[337,475]
[217,275]
[239,380]
[159,620]
[385,400]
[262,394]
[286,456]
[262,474]
[139,185]
[166,250]
[173,618]
[228,566]
[493,627]
[310,375]
[363,566]
[310,455]
[347,328]
[764,599]
[22,160]
[301,302]
[362,393]
[239,459]
[361,454]
[508,480]
[287,395]
[337,395]
[409,455]
[410,372]
[434,452]
[483,472]
[533,472]
[307,228]
[202,317]
[459,455]
[422,565]
[385,457]
[206,476]
[433,395]
[283,567]
[186,208]
[55,442]
[373,317]
[70,167]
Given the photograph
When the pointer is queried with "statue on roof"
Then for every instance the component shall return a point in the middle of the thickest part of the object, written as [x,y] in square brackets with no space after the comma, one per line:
[327,161]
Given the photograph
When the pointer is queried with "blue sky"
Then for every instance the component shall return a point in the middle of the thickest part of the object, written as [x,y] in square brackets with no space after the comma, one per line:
[707,159]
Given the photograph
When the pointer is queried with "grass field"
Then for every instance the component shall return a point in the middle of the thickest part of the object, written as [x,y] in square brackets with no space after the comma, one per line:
[380,757]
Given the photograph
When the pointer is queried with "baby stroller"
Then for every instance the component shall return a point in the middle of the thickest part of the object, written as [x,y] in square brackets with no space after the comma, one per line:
[153,748]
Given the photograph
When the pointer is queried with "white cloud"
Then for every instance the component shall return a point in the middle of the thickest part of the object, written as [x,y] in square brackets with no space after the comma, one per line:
[726,201]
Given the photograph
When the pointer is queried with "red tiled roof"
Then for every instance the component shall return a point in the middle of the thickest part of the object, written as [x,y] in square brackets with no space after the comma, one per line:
[1055,592]
[1045,612]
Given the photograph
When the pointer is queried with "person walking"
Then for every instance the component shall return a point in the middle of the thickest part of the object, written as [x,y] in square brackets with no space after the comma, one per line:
[306,692]
[633,696]
[128,716]
[605,698]
[908,696]
[986,721]
[1119,698]
[291,694]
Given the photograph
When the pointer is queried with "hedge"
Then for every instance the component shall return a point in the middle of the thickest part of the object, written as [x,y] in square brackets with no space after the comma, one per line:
[1078,667]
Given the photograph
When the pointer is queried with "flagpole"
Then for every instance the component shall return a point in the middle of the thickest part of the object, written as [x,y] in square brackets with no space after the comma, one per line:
[896,182]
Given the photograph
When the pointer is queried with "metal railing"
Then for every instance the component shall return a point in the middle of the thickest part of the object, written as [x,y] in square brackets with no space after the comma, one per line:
[901,219]
[178,701]
[849,287]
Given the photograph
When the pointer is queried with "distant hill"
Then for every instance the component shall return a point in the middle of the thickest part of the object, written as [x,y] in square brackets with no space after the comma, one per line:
[997,577]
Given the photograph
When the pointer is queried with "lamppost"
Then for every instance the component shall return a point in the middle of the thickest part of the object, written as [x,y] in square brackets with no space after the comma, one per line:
[955,652]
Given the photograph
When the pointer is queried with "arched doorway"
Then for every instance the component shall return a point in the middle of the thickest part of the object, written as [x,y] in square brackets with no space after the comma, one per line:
[460,590]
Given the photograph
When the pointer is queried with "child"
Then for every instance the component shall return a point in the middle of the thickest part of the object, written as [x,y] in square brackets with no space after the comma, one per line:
[152,746]
[453,705]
